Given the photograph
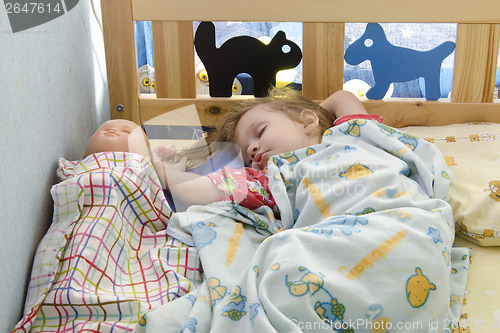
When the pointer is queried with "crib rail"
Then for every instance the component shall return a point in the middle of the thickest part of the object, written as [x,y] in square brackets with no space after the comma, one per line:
[452,11]
[476,53]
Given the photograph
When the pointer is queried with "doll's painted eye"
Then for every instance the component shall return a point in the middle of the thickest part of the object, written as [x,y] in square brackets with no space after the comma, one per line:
[203,75]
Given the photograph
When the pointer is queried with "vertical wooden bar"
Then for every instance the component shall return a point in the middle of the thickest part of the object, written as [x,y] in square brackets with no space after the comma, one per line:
[323,59]
[475,63]
[173,48]
[119,45]
[492,62]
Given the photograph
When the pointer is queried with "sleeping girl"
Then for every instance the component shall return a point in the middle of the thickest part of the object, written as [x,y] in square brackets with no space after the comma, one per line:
[282,122]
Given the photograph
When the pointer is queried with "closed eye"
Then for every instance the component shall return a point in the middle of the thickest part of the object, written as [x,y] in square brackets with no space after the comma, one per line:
[262,131]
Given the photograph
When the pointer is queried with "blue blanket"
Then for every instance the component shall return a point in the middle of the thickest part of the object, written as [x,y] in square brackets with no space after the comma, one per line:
[363,242]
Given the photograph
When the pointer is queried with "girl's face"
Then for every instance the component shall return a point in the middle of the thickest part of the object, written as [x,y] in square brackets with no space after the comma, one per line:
[263,132]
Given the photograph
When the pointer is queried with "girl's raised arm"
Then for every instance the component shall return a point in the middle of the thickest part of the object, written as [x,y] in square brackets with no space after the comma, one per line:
[342,103]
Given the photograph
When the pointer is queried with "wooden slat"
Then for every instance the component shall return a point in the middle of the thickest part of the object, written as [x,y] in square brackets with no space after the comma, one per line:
[174,59]
[118,31]
[475,63]
[209,109]
[323,59]
[401,114]
[493,60]
[397,114]
[453,11]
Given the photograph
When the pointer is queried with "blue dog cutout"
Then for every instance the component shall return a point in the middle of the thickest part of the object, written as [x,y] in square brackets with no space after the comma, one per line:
[397,64]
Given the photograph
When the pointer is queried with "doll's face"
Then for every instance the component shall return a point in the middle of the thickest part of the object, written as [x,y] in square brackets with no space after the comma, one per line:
[118,135]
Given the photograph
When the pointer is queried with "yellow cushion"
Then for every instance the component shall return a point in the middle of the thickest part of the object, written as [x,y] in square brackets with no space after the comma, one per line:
[473,153]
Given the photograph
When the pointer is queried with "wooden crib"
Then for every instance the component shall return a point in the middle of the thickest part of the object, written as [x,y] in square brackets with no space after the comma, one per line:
[466,147]
[323,23]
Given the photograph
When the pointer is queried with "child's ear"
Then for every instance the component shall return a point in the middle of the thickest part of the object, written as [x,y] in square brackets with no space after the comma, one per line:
[310,121]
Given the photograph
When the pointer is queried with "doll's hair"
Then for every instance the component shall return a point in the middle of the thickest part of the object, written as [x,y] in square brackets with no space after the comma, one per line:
[287,100]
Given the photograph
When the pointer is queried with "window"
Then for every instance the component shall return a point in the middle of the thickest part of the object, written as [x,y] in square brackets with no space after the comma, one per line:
[399,34]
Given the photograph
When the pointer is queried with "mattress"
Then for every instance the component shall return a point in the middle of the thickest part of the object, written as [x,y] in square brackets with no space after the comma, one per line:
[481,307]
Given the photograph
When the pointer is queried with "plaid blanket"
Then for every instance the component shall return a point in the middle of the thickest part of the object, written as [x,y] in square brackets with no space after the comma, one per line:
[106,257]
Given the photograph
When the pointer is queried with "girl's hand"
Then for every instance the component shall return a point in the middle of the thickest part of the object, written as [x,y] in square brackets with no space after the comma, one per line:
[164,152]
[163,162]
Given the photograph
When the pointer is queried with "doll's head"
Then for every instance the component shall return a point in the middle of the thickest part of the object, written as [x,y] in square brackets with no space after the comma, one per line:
[119,135]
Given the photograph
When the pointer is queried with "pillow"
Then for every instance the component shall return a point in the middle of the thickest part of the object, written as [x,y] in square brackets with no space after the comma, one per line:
[472,152]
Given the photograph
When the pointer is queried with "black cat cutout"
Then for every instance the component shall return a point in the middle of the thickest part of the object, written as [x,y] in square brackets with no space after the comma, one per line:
[244,54]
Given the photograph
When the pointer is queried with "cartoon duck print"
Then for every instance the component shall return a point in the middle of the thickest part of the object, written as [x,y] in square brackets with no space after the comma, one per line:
[329,310]
[493,186]
[235,305]
[418,288]
[217,291]
[354,128]
[356,171]
[308,283]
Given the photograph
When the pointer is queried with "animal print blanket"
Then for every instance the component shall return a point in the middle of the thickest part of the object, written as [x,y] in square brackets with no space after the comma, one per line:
[363,243]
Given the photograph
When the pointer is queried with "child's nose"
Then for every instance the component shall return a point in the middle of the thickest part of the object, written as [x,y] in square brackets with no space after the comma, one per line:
[252,150]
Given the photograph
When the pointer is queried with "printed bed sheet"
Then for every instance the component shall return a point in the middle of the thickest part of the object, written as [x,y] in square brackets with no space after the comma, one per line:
[106,257]
[363,243]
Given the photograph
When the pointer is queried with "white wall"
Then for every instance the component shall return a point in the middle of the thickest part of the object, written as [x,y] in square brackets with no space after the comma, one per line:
[53,95]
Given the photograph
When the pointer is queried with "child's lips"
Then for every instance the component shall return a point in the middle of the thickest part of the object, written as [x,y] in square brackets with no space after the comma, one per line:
[259,160]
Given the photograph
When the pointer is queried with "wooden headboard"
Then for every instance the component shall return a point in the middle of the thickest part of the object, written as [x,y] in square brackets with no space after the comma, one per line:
[476,53]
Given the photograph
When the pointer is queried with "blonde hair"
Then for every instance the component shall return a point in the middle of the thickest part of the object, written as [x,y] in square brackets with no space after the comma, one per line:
[287,100]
